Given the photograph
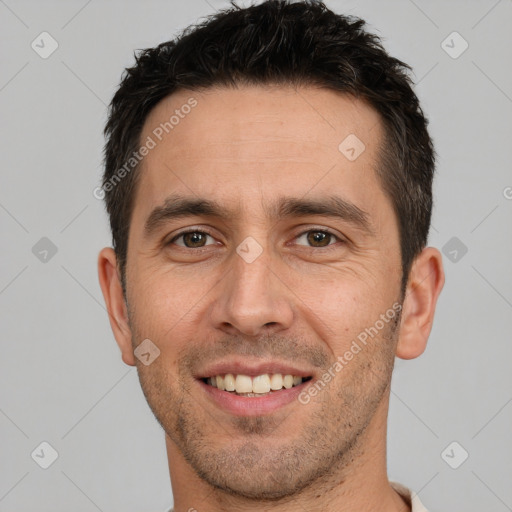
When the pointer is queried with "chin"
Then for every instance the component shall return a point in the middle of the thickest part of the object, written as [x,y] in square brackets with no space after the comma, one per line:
[255,472]
[253,488]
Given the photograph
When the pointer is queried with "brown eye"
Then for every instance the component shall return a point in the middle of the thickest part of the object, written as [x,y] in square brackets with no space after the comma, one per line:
[191,239]
[317,238]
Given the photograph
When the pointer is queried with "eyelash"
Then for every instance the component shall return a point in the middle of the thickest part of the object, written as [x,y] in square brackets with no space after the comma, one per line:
[203,232]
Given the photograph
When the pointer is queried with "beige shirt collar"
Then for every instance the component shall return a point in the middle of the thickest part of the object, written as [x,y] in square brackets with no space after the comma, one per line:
[410,496]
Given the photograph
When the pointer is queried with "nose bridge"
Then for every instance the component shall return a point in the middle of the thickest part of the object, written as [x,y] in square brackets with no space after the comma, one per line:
[253,299]
[250,278]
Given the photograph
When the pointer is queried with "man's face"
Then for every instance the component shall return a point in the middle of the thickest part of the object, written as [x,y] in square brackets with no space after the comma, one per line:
[269,286]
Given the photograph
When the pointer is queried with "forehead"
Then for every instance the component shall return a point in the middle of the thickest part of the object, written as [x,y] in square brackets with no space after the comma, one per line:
[252,143]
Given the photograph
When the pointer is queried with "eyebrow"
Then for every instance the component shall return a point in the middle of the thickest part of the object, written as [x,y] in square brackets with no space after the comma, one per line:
[331,206]
[177,206]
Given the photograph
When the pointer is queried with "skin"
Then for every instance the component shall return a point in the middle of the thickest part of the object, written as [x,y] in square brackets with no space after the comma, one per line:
[299,301]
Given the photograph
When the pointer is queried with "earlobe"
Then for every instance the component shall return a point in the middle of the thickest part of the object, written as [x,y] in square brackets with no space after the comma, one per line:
[116,306]
[426,280]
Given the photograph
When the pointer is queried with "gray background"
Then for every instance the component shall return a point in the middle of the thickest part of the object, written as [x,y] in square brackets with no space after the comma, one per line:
[62,378]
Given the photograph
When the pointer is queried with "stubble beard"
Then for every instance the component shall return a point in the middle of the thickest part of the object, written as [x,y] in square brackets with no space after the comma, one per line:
[255,466]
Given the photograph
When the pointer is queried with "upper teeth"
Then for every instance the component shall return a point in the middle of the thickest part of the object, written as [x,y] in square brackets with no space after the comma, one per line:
[259,384]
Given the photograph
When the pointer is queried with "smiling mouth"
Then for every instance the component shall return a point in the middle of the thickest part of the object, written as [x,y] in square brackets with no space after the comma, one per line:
[260,385]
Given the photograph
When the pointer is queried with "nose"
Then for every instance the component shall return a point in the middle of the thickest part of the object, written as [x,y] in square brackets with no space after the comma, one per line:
[252,299]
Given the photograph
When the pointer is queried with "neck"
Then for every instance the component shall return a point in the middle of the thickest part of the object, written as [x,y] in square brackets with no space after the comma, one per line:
[362,484]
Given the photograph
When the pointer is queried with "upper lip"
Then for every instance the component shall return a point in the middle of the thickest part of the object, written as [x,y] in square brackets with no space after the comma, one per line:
[251,368]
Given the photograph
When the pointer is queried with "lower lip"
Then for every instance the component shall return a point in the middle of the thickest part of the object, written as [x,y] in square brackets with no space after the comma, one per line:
[252,406]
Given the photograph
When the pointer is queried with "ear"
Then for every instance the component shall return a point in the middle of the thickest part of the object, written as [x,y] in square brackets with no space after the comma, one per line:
[110,283]
[426,280]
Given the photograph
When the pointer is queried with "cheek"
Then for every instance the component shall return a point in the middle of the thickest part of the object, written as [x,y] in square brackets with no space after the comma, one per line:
[156,306]
[340,311]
